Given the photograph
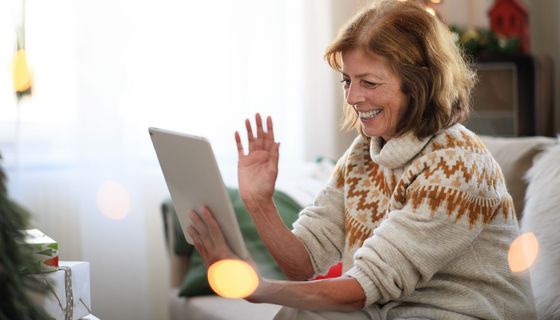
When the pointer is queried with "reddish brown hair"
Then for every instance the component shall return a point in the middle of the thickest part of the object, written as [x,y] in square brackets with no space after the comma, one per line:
[421,50]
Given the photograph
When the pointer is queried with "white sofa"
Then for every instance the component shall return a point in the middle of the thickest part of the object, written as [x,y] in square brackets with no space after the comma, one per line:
[538,208]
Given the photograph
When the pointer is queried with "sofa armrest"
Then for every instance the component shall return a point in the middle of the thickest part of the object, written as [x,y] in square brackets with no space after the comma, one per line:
[515,155]
[178,264]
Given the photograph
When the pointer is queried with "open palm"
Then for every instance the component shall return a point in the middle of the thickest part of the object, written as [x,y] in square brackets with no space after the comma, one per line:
[257,170]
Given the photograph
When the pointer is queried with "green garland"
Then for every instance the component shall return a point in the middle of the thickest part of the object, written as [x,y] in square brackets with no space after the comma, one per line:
[484,42]
[15,287]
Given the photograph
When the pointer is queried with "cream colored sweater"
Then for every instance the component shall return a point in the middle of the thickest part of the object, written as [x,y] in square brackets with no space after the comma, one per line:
[423,225]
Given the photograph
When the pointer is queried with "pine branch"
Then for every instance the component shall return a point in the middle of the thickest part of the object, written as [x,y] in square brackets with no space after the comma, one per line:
[15,287]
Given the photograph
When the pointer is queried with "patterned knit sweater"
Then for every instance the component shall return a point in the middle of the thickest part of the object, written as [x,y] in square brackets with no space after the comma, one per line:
[423,225]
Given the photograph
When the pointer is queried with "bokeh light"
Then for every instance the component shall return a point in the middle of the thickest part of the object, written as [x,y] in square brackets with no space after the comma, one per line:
[232,278]
[523,252]
[113,200]
[21,72]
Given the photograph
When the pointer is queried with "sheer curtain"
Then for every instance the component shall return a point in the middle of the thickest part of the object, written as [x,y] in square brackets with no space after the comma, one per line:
[77,153]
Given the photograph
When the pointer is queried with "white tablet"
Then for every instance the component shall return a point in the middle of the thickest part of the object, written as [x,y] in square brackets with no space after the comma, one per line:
[193,179]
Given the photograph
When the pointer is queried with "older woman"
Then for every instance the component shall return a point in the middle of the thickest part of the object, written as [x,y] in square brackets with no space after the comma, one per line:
[417,209]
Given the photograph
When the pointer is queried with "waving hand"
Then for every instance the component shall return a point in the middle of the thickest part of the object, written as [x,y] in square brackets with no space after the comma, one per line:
[258,169]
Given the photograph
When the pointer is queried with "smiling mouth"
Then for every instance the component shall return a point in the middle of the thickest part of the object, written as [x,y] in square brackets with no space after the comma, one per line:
[369,114]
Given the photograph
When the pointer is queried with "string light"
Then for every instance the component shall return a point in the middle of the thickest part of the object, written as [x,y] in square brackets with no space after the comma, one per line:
[430,6]
[21,73]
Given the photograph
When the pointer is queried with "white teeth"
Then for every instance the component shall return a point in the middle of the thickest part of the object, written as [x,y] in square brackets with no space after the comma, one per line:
[370,114]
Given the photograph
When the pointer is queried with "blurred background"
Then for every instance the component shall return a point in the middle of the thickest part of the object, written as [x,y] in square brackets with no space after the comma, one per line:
[75,144]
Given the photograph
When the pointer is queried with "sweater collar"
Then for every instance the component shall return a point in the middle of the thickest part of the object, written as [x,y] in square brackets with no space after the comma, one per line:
[397,151]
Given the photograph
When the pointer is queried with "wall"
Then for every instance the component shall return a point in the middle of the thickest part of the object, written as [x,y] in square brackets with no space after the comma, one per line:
[545,39]
[543,21]
[325,103]
[324,95]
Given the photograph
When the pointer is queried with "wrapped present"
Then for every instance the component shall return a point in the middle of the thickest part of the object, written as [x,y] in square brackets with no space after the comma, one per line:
[70,296]
[45,250]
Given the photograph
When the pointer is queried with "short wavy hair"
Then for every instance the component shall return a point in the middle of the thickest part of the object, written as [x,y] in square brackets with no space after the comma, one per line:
[435,74]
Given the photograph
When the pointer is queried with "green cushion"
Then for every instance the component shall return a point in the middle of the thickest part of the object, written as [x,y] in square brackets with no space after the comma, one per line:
[195,282]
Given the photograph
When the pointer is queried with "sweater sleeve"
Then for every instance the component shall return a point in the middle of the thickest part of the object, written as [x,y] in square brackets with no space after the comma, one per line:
[320,227]
[446,198]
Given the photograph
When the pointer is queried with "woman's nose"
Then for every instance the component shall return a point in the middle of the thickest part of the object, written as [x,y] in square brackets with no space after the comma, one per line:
[354,95]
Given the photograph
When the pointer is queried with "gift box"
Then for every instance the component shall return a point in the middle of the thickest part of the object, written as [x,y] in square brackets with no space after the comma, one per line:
[45,250]
[69,296]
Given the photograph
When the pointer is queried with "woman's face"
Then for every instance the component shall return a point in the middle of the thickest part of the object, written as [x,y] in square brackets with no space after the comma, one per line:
[374,91]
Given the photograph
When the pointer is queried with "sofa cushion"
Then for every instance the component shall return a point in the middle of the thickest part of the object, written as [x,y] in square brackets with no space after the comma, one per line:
[542,217]
[515,156]
[218,308]
[195,282]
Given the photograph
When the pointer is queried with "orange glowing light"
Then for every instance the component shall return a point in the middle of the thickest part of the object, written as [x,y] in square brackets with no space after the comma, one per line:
[232,278]
[21,73]
[523,252]
[113,200]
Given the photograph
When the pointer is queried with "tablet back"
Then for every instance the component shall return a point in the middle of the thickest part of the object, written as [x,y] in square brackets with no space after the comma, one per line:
[193,179]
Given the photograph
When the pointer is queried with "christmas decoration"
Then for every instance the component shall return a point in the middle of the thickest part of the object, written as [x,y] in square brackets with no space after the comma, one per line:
[15,287]
[480,42]
[45,250]
[510,19]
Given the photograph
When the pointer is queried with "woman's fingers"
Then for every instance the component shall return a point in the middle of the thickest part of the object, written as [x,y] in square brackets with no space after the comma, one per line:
[269,133]
[260,131]
[198,225]
[262,140]
[198,231]
[202,238]
[269,128]
[208,237]
[197,242]
[213,227]
[240,151]
[250,137]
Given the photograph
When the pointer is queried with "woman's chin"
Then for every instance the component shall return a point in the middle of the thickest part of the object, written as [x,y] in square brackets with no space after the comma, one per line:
[370,132]
[370,127]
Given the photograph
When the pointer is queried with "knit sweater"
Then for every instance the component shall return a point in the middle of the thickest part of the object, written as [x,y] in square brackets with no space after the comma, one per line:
[423,225]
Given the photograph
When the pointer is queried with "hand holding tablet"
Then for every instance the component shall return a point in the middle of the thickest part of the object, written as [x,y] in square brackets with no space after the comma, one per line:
[194,180]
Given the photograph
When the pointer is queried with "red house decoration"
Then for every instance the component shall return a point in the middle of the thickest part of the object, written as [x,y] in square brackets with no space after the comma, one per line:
[510,18]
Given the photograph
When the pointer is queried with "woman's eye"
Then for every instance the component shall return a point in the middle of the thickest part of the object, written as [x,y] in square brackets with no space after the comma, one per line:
[369,84]
[345,82]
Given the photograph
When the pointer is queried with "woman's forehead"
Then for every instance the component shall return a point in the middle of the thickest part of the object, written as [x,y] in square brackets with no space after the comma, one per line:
[359,62]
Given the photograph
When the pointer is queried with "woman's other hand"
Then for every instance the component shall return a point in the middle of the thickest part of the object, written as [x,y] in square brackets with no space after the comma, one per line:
[208,237]
[210,243]
[257,170]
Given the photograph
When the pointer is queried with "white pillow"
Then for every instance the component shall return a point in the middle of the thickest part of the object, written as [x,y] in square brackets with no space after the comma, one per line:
[542,217]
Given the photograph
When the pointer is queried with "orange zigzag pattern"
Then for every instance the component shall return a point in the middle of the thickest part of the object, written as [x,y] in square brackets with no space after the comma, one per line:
[356,232]
[458,204]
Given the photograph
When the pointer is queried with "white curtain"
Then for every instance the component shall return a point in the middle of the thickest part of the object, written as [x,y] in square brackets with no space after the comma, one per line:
[77,153]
